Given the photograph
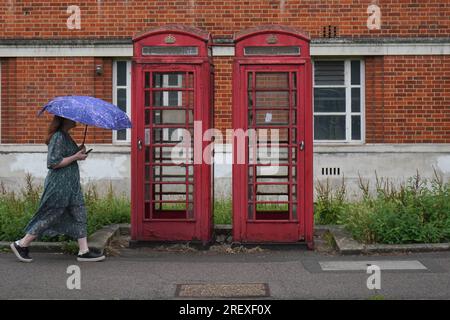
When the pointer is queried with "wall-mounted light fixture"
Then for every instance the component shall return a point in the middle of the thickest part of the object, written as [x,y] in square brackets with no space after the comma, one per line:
[99,70]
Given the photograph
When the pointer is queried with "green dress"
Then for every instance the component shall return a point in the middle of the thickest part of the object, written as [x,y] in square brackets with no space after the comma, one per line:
[61,209]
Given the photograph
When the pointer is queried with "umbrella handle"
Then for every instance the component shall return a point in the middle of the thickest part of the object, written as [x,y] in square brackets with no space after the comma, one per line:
[84,138]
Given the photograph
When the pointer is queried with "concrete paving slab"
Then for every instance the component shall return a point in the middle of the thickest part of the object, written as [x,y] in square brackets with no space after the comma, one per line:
[363,265]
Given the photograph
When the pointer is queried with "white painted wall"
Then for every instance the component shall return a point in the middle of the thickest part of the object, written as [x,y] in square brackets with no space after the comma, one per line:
[109,163]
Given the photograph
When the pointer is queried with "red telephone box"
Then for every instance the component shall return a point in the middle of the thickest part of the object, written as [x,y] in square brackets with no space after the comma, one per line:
[273,163]
[172,108]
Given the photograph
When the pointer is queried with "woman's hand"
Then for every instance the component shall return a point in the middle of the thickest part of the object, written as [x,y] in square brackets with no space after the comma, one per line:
[81,155]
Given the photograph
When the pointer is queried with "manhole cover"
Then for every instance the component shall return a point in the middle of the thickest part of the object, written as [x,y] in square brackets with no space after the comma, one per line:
[240,290]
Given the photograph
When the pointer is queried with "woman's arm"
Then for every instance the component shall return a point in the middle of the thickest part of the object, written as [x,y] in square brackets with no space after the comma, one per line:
[80,155]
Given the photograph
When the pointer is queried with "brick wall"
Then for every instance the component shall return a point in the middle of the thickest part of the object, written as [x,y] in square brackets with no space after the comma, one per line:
[223,93]
[408,99]
[119,18]
[28,83]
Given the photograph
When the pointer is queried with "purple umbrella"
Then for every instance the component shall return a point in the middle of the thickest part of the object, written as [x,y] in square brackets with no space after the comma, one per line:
[89,111]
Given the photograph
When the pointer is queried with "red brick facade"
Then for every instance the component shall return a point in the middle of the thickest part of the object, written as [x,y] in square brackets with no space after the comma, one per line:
[29,83]
[119,18]
[407,97]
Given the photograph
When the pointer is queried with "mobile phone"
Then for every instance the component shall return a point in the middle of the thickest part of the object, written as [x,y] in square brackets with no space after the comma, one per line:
[88,151]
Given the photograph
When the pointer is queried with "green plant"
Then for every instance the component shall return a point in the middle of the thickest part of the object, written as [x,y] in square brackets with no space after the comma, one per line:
[222,211]
[17,210]
[417,211]
[330,203]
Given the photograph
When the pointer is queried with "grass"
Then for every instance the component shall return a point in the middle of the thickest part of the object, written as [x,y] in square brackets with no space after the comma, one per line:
[417,211]
[222,211]
[16,210]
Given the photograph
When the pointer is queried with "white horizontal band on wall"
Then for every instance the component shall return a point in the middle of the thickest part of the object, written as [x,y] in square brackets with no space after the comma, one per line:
[317,49]
[66,51]
[227,148]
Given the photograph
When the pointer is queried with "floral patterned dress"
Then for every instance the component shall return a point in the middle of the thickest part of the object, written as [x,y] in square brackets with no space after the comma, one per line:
[61,210]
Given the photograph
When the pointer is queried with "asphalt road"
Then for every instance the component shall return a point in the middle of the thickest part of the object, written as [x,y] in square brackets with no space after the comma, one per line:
[150,274]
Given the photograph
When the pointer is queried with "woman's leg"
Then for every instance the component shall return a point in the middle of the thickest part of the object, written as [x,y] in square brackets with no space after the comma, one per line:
[25,241]
[82,243]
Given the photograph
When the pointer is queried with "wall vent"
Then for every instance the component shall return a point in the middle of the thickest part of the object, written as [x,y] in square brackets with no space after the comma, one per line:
[329,31]
[330,171]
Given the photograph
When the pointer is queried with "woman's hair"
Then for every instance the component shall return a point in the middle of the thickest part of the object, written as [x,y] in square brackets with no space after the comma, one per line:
[54,126]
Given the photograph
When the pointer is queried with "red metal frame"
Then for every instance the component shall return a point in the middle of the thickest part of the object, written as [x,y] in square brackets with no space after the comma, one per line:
[273,226]
[150,220]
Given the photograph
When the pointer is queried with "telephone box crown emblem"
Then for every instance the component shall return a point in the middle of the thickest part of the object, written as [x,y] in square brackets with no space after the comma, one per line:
[170,39]
[272,39]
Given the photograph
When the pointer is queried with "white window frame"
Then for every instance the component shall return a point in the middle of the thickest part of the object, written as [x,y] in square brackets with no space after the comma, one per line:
[128,88]
[0,102]
[348,101]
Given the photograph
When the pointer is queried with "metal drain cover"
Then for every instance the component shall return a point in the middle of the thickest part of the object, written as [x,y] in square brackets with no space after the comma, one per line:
[238,290]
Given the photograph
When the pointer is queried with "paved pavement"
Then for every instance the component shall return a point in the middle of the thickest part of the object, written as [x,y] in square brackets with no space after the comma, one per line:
[149,274]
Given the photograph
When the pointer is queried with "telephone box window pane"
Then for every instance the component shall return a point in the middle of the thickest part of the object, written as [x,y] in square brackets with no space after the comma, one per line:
[147,117]
[172,80]
[356,127]
[172,135]
[329,127]
[169,51]
[147,98]
[329,100]
[272,99]
[272,117]
[147,80]
[172,117]
[356,99]
[272,80]
[121,73]
[272,51]
[168,98]
[356,72]
[329,73]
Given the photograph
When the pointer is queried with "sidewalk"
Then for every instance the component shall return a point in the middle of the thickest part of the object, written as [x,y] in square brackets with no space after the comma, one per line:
[150,274]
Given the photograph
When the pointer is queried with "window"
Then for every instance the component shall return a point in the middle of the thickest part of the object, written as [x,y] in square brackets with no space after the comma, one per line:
[122,95]
[338,101]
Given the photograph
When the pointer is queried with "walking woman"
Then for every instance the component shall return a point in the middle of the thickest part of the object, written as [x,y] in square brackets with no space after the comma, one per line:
[61,210]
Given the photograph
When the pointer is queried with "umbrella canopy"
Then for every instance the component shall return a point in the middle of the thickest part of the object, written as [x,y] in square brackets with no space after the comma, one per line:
[89,111]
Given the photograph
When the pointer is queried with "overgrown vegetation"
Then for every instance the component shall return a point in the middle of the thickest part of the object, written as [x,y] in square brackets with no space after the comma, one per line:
[16,209]
[222,211]
[417,211]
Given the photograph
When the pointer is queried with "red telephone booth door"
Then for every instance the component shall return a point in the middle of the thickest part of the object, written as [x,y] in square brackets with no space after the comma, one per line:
[272,187]
[171,198]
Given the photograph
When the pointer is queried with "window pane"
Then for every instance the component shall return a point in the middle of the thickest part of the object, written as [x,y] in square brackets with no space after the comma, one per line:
[356,99]
[170,98]
[122,99]
[121,73]
[329,127]
[356,72]
[272,80]
[171,116]
[356,127]
[329,73]
[147,80]
[172,80]
[178,51]
[272,99]
[329,100]
[122,134]
[272,51]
